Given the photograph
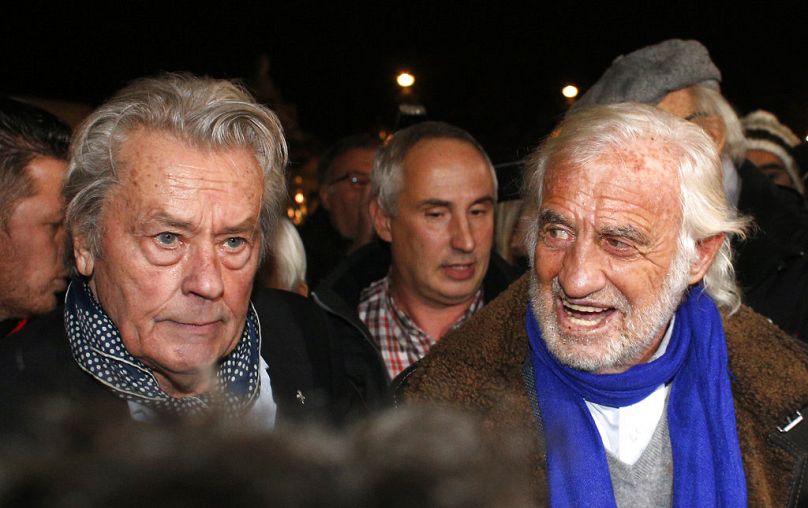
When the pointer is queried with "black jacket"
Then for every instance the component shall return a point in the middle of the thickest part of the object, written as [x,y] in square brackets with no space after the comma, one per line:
[312,374]
[338,294]
[324,246]
[772,266]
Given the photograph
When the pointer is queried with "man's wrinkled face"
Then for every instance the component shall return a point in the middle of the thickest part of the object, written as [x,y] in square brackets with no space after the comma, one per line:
[442,231]
[607,274]
[347,189]
[179,250]
[32,267]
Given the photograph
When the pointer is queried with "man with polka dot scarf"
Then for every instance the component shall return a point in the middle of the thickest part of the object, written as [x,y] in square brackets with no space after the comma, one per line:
[173,187]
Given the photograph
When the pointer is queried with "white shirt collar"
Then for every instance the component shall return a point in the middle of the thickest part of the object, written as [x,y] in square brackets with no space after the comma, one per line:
[626,431]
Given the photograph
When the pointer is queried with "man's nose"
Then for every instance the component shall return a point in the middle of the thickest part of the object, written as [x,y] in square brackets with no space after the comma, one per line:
[462,235]
[203,273]
[582,271]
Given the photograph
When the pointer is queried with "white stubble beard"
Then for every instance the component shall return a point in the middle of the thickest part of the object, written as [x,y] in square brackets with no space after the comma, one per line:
[641,327]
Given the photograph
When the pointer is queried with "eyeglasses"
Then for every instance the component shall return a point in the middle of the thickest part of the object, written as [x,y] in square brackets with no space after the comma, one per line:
[355,180]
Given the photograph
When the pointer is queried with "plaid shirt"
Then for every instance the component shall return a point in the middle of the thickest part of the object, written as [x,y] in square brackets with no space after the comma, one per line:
[400,340]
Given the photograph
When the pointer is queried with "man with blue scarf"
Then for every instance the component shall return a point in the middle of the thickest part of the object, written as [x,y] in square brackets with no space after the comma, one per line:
[625,356]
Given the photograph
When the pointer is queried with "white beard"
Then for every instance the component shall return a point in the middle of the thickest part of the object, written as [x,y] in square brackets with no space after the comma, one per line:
[641,326]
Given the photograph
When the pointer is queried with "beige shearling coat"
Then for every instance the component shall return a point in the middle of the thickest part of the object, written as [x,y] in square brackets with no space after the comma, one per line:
[481,366]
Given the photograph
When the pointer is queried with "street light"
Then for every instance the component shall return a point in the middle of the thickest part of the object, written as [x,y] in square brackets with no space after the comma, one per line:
[570,91]
[405,79]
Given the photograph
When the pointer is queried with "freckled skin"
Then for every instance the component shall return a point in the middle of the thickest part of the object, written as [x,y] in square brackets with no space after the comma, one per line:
[32,267]
[633,187]
[179,252]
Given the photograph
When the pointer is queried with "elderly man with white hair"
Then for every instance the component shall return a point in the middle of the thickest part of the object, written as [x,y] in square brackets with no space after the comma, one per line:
[626,354]
[174,188]
[679,76]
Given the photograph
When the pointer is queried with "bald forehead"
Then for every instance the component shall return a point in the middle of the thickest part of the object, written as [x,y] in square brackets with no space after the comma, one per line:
[431,153]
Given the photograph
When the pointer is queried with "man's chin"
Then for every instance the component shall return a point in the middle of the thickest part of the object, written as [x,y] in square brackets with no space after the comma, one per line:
[457,297]
[581,356]
[185,382]
[46,304]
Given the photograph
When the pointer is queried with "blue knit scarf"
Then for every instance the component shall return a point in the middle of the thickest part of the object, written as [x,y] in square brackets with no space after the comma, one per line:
[707,467]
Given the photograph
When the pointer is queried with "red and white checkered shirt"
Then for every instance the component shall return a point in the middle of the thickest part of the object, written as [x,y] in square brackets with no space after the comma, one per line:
[400,340]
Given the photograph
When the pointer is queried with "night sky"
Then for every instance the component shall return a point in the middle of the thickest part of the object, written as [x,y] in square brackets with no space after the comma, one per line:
[494,68]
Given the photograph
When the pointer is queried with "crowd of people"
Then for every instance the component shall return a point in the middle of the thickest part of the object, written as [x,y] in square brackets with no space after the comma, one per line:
[623,326]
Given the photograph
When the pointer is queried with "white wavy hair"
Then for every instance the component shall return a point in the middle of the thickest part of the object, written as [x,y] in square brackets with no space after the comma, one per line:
[288,256]
[711,101]
[585,135]
[204,112]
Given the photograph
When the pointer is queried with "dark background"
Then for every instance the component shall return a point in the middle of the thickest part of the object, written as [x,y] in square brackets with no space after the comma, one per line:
[495,68]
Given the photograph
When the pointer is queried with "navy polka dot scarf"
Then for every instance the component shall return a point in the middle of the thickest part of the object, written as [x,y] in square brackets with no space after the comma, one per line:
[97,347]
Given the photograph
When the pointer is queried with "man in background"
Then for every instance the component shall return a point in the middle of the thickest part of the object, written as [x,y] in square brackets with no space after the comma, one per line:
[33,152]
[341,224]
[770,146]
[433,196]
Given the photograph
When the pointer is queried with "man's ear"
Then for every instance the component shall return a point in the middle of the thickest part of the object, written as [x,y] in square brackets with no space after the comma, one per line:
[325,196]
[706,251]
[381,221]
[714,126]
[85,261]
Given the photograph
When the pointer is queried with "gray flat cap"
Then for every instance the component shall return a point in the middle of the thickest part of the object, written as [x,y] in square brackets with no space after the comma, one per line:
[650,73]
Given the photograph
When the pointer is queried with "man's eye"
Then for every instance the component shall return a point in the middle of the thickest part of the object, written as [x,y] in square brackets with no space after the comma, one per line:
[558,234]
[556,237]
[167,239]
[618,245]
[432,214]
[234,242]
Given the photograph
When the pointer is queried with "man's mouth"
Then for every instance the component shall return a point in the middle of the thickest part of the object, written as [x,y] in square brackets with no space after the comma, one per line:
[193,324]
[459,271]
[585,315]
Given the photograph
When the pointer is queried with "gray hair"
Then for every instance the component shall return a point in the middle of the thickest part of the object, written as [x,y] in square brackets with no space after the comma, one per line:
[203,112]
[386,178]
[584,136]
[710,100]
[288,256]
[506,217]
